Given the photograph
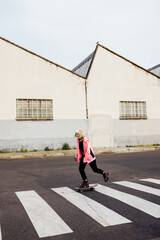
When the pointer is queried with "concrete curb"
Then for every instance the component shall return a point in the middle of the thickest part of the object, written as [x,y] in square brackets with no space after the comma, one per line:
[44,154]
[128,149]
[39,154]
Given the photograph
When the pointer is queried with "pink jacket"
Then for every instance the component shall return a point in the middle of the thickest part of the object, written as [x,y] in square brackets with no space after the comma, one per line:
[88,151]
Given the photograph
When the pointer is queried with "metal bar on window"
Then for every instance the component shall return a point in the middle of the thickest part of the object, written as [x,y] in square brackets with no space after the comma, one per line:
[133,110]
[34,109]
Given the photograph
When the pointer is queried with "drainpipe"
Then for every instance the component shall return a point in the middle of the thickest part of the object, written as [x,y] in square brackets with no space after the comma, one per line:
[86,99]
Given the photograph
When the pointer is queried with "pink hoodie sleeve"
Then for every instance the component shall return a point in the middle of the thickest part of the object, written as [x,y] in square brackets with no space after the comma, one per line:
[78,154]
[77,150]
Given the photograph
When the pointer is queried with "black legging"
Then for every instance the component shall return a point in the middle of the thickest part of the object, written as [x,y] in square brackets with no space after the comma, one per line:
[93,165]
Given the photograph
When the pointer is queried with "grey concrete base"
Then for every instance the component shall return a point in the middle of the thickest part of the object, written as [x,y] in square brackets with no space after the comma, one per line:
[37,144]
[136,132]
[18,135]
[135,140]
[21,135]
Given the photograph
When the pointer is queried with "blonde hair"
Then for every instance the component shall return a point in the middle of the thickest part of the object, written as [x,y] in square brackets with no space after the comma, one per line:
[80,132]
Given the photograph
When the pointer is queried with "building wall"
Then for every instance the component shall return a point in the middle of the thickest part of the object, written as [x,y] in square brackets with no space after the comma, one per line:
[113,79]
[100,130]
[25,75]
[135,132]
[110,80]
[18,135]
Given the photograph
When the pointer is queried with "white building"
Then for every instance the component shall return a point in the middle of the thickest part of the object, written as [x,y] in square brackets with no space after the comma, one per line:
[41,102]
[123,100]
[115,101]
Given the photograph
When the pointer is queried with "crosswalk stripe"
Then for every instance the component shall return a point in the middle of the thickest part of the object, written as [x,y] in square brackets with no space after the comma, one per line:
[139,187]
[44,219]
[136,202]
[0,233]
[152,180]
[100,213]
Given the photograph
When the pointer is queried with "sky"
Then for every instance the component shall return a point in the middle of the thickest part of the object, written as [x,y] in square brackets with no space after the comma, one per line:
[66,31]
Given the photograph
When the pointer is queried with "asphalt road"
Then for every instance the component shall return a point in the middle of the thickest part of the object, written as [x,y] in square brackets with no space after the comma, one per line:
[30,182]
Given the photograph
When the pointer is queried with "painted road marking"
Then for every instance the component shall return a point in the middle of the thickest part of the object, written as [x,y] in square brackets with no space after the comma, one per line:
[101,214]
[44,219]
[139,187]
[152,180]
[136,202]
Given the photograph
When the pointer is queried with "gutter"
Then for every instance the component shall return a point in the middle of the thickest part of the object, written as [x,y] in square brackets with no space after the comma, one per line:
[86,98]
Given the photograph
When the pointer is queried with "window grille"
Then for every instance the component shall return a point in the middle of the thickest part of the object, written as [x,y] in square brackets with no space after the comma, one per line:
[34,109]
[133,110]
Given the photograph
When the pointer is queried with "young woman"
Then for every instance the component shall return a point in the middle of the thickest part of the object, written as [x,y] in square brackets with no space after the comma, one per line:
[86,155]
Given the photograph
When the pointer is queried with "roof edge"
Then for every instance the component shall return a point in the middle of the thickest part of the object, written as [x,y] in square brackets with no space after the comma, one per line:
[95,51]
[83,62]
[154,67]
[128,60]
[45,59]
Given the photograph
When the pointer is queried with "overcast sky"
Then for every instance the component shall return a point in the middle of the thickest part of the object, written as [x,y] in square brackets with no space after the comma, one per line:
[66,31]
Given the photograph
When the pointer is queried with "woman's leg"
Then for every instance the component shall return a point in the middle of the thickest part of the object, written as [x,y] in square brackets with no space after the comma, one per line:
[83,174]
[81,170]
[98,170]
[93,165]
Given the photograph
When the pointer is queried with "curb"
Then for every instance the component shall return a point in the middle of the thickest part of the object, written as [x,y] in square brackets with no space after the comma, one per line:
[128,150]
[37,154]
[73,152]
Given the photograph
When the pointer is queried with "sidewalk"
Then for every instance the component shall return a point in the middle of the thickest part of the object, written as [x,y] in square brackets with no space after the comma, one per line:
[55,153]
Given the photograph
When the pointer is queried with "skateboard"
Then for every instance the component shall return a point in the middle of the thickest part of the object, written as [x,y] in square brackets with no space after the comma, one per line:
[90,188]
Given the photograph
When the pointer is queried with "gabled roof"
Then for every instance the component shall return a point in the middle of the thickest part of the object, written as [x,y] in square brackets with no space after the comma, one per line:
[83,68]
[45,59]
[129,61]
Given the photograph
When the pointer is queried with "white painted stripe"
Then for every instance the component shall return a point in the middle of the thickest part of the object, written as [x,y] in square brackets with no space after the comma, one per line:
[152,180]
[136,202]
[0,233]
[44,219]
[101,214]
[139,187]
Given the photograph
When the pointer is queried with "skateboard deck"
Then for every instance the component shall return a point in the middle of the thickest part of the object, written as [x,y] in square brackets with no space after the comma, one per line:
[90,188]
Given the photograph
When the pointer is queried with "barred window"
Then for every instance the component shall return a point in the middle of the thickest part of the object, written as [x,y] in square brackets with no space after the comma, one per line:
[133,110]
[34,109]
